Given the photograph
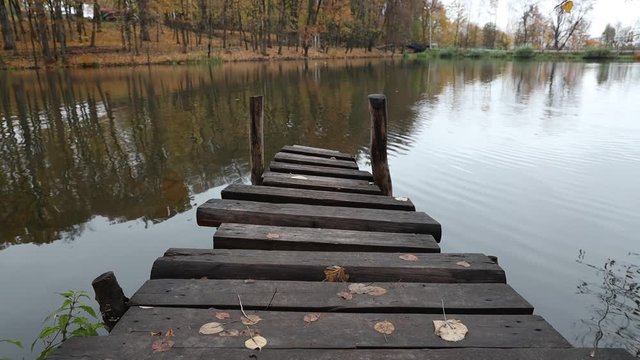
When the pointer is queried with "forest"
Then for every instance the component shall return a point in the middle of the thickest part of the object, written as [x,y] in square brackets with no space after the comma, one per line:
[48,32]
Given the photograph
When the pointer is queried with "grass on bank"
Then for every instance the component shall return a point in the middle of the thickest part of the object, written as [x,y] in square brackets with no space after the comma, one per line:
[527,53]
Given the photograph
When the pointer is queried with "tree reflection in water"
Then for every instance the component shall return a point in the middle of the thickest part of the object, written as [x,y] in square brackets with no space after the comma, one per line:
[615,320]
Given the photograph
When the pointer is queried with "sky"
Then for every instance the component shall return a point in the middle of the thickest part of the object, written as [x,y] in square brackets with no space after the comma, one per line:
[626,12]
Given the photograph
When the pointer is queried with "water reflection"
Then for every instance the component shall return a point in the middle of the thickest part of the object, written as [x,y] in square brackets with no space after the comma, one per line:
[615,315]
[129,144]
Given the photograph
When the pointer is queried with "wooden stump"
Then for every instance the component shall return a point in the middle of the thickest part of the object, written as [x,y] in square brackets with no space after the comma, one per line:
[109,294]
[379,164]
[257,139]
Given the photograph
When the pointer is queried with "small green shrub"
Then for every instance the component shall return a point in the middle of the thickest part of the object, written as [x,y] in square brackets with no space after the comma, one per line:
[447,53]
[524,52]
[597,53]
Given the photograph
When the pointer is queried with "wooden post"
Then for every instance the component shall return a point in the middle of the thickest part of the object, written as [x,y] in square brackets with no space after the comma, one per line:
[257,139]
[109,294]
[379,164]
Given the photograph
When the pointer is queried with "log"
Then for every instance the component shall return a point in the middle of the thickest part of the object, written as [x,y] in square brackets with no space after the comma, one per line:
[320,183]
[273,194]
[299,169]
[315,160]
[379,163]
[345,330]
[257,139]
[265,237]
[319,152]
[110,297]
[315,296]
[215,212]
[310,266]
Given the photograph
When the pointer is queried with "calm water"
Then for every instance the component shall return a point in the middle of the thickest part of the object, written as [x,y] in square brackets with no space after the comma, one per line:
[537,163]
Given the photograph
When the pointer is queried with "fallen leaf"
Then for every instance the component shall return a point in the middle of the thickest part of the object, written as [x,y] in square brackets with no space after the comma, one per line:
[251,319]
[369,290]
[273,236]
[336,273]
[145,307]
[408,257]
[402,198]
[309,318]
[376,291]
[162,345]
[169,332]
[204,278]
[229,333]
[156,333]
[463,264]
[256,342]
[450,330]
[384,327]
[358,288]
[222,315]
[345,295]
[300,177]
[249,281]
[211,328]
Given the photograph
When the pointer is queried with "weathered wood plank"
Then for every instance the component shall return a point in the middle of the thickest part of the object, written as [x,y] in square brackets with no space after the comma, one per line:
[282,167]
[320,183]
[319,152]
[315,160]
[379,163]
[264,237]
[310,266]
[215,212]
[274,194]
[322,296]
[139,348]
[345,330]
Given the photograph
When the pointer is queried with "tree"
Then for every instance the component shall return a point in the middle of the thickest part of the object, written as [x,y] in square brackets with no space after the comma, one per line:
[564,24]
[489,34]
[7,32]
[608,36]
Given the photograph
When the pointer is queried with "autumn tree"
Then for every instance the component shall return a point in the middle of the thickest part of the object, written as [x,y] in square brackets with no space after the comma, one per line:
[565,23]
[608,36]
[489,35]
[7,32]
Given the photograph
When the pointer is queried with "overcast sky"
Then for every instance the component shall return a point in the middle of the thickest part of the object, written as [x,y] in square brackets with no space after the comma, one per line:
[604,11]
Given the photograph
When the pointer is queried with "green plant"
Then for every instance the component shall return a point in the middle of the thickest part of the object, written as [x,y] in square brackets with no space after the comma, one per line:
[447,53]
[524,52]
[17,343]
[597,53]
[69,320]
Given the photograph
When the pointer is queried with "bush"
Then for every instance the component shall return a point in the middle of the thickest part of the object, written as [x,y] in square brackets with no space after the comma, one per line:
[597,53]
[477,53]
[524,52]
[447,53]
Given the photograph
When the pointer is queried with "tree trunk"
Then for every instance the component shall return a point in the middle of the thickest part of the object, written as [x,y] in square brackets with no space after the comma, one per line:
[42,29]
[95,21]
[143,6]
[7,32]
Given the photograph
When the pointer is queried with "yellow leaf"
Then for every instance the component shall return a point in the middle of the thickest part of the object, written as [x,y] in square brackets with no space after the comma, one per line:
[450,330]
[408,257]
[336,273]
[309,318]
[211,328]
[251,319]
[384,327]
[567,6]
[169,332]
[256,342]
[222,315]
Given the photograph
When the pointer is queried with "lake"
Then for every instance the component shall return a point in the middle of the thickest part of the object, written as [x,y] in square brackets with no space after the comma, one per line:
[537,163]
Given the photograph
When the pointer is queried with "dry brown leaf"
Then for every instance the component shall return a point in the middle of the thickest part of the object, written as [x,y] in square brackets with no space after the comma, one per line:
[408,257]
[169,332]
[450,330]
[336,273]
[156,333]
[251,319]
[222,315]
[463,264]
[211,328]
[376,291]
[256,342]
[358,288]
[230,333]
[273,236]
[369,290]
[162,345]
[345,295]
[384,327]
[309,318]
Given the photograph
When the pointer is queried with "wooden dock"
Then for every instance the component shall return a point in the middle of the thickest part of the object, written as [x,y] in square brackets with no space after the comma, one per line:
[315,259]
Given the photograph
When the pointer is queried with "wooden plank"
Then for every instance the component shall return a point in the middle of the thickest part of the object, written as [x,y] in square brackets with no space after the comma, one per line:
[320,183]
[264,237]
[319,152]
[317,296]
[139,348]
[273,194]
[314,160]
[344,330]
[310,266]
[282,167]
[215,212]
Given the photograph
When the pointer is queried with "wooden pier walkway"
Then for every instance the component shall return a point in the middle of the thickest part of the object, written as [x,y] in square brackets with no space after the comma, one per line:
[320,263]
